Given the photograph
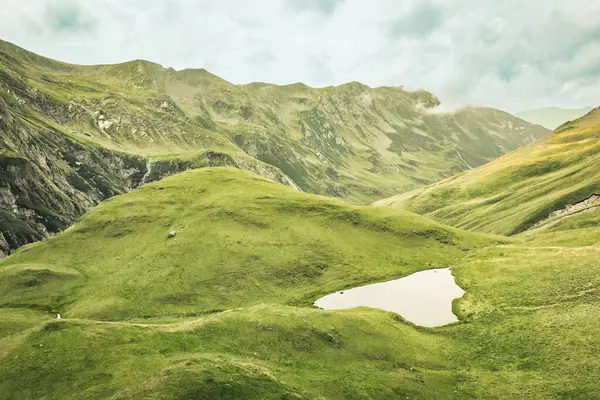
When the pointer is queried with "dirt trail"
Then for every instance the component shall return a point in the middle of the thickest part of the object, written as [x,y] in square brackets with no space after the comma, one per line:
[170,327]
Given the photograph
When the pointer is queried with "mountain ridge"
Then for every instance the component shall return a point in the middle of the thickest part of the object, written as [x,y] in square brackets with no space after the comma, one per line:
[521,190]
[349,141]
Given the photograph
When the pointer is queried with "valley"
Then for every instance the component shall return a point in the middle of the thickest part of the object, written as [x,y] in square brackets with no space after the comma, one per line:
[223,309]
[81,134]
[187,230]
[521,189]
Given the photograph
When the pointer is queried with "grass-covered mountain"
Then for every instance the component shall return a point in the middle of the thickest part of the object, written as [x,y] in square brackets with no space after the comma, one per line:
[532,187]
[223,309]
[553,117]
[71,136]
[234,229]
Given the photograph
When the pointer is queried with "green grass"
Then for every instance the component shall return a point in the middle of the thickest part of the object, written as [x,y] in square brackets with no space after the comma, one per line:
[223,309]
[530,309]
[241,240]
[146,315]
[259,352]
[513,193]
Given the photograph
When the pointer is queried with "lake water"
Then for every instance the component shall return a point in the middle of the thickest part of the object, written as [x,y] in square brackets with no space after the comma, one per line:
[423,298]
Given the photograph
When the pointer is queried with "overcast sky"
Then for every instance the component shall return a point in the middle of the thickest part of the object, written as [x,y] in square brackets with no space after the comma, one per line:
[510,54]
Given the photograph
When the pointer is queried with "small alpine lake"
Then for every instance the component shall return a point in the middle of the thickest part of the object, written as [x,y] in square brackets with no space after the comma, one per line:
[423,298]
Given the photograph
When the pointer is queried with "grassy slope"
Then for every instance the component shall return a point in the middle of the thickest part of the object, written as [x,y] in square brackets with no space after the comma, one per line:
[512,193]
[142,310]
[531,307]
[52,169]
[266,252]
[241,240]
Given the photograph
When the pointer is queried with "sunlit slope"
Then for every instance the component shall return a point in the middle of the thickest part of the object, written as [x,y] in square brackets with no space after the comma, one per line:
[141,312]
[531,319]
[223,309]
[241,240]
[536,184]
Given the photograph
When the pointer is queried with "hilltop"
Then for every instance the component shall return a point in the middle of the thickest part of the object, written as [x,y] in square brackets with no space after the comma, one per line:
[72,136]
[553,117]
[528,188]
[239,238]
[223,308]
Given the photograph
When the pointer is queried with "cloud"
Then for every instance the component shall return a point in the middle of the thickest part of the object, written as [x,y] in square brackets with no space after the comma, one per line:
[420,21]
[67,17]
[511,54]
[444,108]
[324,6]
[319,69]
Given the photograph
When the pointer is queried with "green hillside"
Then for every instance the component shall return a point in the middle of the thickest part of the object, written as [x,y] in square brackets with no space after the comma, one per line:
[553,117]
[536,186]
[241,240]
[244,244]
[80,134]
[223,308]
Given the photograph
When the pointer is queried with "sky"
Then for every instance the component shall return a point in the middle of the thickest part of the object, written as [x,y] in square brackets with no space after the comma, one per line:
[509,54]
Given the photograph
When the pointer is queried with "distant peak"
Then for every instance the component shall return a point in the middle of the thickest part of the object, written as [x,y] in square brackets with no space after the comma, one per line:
[354,85]
[299,85]
[594,113]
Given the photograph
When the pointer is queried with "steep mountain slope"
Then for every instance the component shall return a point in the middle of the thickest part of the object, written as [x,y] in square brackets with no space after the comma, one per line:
[50,175]
[349,141]
[553,117]
[147,121]
[530,187]
[47,179]
[222,310]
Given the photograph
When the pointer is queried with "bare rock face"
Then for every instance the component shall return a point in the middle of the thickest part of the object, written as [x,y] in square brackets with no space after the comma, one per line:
[588,204]
[4,249]
[569,208]
[48,179]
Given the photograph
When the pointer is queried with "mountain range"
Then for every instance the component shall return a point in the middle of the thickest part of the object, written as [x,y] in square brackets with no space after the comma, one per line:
[73,135]
[165,244]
